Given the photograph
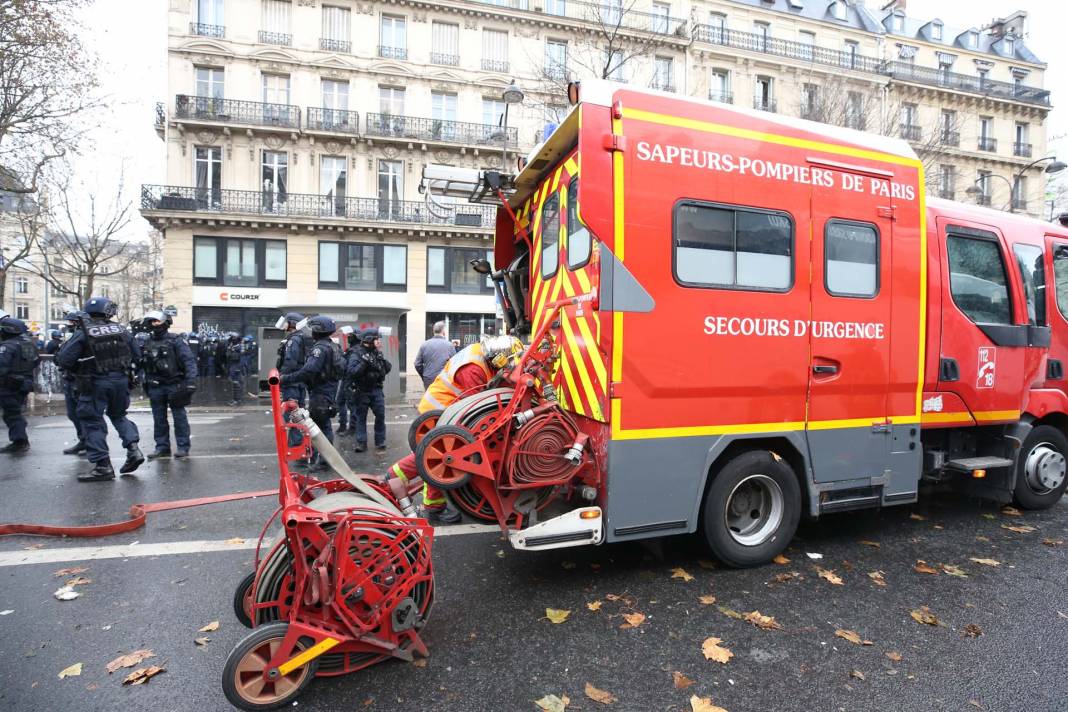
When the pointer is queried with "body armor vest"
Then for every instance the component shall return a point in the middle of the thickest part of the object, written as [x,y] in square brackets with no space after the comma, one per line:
[302,356]
[109,344]
[26,356]
[161,360]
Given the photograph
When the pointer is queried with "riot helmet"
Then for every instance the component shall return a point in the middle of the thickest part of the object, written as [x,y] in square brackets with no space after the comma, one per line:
[321,326]
[11,327]
[101,306]
[54,333]
[288,321]
[368,336]
[500,350]
[157,322]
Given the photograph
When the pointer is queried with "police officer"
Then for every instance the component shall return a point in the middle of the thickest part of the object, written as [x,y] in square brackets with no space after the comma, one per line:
[235,352]
[74,320]
[207,357]
[18,358]
[100,355]
[321,372]
[246,355]
[366,370]
[292,353]
[170,380]
[349,341]
[54,342]
[221,349]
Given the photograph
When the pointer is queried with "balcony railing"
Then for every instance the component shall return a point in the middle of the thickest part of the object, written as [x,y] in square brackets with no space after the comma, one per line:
[1021,149]
[199,28]
[662,86]
[723,97]
[423,129]
[282,205]
[387,52]
[804,52]
[495,65]
[949,138]
[907,72]
[161,116]
[335,45]
[986,143]
[275,38]
[203,108]
[764,104]
[608,16]
[449,60]
[333,120]
[555,71]
[911,132]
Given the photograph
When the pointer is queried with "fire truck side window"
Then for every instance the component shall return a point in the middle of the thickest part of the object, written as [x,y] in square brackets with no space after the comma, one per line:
[550,236]
[977,279]
[1033,275]
[1060,276]
[851,251]
[578,237]
[717,246]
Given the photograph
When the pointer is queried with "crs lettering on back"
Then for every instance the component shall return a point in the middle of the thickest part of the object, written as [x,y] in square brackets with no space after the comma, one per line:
[104,329]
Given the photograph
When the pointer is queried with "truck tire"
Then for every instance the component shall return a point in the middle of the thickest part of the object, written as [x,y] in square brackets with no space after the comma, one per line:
[751,509]
[1041,469]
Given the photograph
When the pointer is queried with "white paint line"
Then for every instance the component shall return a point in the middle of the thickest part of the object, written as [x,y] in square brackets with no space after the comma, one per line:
[133,551]
[238,454]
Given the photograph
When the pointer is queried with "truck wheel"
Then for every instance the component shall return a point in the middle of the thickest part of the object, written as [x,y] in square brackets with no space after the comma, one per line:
[751,509]
[1041,469]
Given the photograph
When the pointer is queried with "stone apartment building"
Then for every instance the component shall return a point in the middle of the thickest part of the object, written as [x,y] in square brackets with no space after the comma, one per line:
[296,132]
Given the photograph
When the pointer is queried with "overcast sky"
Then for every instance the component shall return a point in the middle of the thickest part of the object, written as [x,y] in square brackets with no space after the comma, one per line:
[131,40]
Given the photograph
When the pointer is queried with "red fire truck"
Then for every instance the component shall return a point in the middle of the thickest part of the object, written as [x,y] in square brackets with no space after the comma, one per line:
[749,318]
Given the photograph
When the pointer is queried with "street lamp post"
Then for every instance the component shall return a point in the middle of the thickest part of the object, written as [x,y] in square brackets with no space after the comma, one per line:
[511,95]
[1054,167]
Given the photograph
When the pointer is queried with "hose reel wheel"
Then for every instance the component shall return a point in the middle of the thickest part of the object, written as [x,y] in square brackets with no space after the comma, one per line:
[422,425]
[435,458]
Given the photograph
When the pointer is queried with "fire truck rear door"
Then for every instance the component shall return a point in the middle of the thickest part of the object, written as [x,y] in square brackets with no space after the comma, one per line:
[850,340]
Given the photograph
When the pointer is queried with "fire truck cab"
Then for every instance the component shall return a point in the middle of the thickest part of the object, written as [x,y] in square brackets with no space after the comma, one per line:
[778,323]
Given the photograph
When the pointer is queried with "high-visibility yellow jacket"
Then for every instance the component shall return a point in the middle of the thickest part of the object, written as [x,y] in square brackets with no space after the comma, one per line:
[447,387]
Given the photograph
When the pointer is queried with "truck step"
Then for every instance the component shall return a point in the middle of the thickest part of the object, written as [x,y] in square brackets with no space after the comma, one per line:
[575,528]
[968,464]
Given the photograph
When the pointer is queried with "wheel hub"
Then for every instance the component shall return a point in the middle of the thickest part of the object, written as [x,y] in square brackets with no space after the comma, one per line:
[1044,468]
[754,510]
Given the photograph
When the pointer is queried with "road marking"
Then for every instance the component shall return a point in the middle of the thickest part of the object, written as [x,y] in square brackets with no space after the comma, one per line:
[132,551]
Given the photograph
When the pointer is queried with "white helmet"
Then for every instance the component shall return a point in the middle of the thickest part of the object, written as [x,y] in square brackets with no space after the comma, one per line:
[500,350]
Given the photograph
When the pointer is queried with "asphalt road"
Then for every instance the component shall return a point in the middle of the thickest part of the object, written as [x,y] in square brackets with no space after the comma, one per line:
[492,647]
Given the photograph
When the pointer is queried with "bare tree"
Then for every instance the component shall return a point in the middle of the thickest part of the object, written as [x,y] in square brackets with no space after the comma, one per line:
[47,78]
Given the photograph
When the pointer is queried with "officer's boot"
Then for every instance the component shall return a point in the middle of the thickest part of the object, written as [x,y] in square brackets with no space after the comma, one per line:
[101,472]
[16,446]
[76,449]
[134,458]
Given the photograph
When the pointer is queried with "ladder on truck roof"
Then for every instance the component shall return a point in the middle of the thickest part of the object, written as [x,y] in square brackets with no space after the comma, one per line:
[480,186]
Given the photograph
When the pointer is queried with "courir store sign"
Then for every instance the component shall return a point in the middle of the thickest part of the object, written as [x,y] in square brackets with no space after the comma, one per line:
[239,297]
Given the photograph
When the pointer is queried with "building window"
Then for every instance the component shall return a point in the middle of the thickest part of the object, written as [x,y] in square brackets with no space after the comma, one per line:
[207,167]
[449,270]
[336,33]
[335,103]
[22,285]
[443,113]
[661,20]
[210,12]
[333,180]
[971,39]
[209,82]
[274,177]
[839,9]
[717,28]
[58,311]
[578,237]
[936,31]
[977,279]
[1019,193]
[274,21]
[241,263]
[612,13]
[764,95]
[391,101]
[734,248]
[849,58]
[465,328]
[58,292]
[810,101]
[851,259]
[897,22]
[947,182]
[22,311]
[393,38]
[276,88]
[390,188]
[1010,45]
[1022,145]
[948,128]
[556,7]
[362,267]
[807,40]
[556,59]
[663,74]
[492,114]
[986,134]
[494,50]
[721,86]
[984,183]
[855,111]
[762,30]
[614,65]
[444,43]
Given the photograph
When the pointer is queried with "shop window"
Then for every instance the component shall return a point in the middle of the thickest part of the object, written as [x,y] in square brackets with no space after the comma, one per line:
[851,259]
[977,279]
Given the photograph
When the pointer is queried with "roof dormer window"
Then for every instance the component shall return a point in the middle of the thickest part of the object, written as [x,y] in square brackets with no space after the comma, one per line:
[839,9]
[971,39]
[897,22]
[936,30]
[1010,44]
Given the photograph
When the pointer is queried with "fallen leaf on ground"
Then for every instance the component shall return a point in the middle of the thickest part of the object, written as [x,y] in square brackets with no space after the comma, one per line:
[1022,529]
[680,680]
[703,704]
[613,597]
[761,621]
[783,578]
[142,675]
[918,517]
[707,600]
[210,627]
[73,671]
[602,696]
[730,612]
[681,573]
[872,544]
[79,581]
[633,620]
[594,605]
[923,615]
[921,567]
[419,662]
[1011,511]
[235,540]
[985,562]
[894,655]
[714,651]
[67,593]
[557,615]
[1053,542]
[877,578]
[70,572]
[976,704]
[857,674]
[829,576]
[552,703]
[972,631]
[124,661]
[982,538]
[954,570]
[781,560]
[202,642]
[852,636]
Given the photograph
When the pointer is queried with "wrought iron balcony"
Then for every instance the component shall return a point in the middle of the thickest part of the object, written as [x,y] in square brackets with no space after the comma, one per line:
[387,52]
[986,143]
[607,16]
[789,49]
[335,45]
[931,76]
[275,38]
[161,116]
[199,28]
[170,198]
[441,130]
[949,138]
[332,120]
[232,111]
[723,97]
[765,104]
[449,60]
[1021,149]
[911,132]
[495,65]
[555,71]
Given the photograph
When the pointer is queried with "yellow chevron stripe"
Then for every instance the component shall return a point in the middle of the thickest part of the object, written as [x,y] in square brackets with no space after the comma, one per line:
[572,389]
[580,366]
[572,166]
